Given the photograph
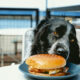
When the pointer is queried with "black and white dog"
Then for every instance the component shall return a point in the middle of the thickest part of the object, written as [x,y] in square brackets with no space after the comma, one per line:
[56,36]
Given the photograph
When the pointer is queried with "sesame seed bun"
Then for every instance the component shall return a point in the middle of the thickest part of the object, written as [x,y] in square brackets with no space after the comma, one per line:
[46,61]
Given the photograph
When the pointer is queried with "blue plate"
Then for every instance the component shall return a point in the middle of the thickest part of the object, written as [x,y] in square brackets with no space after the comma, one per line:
[73,69]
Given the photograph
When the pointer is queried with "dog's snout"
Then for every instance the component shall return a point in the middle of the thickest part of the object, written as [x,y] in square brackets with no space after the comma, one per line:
[62,52]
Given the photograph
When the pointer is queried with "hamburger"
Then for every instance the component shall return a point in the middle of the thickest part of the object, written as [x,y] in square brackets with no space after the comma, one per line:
[47,65]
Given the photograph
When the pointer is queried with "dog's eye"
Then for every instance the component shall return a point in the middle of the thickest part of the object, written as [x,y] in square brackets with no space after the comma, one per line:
[55,33]
[72,40]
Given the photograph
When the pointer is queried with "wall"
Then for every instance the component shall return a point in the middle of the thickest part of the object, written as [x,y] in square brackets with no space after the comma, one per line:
[7,45]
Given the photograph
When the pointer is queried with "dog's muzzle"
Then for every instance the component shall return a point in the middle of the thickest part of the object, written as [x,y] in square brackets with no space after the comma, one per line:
[62,52]
[60,49]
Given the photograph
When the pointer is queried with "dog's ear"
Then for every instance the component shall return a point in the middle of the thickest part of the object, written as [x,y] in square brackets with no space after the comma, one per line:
[74,48]
[39,26]
[40,38]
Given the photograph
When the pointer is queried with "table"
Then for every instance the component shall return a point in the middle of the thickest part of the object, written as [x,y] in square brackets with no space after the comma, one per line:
[13,73]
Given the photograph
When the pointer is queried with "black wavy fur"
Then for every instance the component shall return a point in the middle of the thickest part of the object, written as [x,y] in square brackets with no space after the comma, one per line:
[74,47]
[41,35]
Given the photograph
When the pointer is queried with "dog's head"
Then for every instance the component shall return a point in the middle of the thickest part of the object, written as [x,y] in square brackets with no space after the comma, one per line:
[54,36]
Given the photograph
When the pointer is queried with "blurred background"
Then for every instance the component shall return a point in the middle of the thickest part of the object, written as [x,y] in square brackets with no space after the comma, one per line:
[19,16]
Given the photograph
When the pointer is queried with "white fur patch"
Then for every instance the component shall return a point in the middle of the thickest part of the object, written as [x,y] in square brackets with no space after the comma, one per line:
[28,43]
[64,40]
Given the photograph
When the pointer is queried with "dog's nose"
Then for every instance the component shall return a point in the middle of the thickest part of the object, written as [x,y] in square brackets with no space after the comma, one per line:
[62,52]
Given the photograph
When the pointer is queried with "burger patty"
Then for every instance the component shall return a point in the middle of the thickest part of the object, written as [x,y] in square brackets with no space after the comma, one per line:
[48,71]
[57,74]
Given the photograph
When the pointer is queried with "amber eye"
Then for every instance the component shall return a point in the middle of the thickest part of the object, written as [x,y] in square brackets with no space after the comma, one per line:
[72,40]
[55,33]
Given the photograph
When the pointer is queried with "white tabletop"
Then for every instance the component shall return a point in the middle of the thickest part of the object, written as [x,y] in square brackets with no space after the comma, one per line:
[11,73]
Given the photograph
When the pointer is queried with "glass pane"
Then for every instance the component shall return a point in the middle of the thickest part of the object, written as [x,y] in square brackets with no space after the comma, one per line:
[15,22]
